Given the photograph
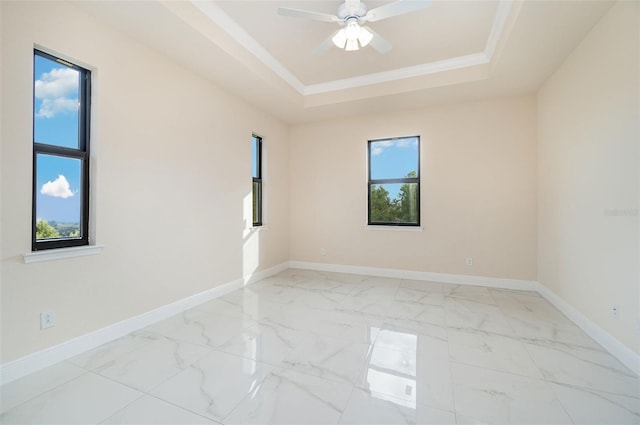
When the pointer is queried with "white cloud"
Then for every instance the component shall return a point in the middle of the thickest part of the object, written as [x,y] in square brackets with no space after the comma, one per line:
[377,150]
[50,107]
[380,146]
[58,91]
[59,188]
[60,82]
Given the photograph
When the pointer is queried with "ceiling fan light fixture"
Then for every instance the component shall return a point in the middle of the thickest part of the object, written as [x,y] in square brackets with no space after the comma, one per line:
[340,39]
[365,37]
[352,29]
[352,45]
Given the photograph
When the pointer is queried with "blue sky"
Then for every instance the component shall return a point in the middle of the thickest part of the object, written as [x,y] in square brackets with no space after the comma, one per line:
[56,123]
[394,159]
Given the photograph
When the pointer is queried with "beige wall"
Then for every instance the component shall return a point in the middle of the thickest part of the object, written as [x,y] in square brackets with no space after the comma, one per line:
[588,166]
[171,176]
[478,190]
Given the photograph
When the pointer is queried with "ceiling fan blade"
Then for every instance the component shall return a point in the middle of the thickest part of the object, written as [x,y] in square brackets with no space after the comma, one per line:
[325,45]
[315,16]
[394,9]
[379,43]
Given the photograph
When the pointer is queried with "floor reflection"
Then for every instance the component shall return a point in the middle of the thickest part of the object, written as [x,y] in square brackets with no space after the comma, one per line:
[391,374]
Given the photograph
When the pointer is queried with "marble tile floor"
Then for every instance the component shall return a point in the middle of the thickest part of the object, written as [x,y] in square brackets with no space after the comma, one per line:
[306,347]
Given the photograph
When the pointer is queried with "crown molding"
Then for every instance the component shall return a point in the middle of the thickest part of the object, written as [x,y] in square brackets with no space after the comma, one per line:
[233,29]
[398,74]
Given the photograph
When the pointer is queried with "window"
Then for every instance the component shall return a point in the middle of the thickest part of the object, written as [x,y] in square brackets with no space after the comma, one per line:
[256,154]
[394,182]
[61,110]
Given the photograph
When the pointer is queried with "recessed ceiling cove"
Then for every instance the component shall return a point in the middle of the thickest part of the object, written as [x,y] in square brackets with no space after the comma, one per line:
[443,37]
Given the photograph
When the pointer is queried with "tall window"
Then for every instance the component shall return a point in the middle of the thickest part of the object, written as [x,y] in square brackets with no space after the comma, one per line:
[394,181]
[256,155]
[61,110]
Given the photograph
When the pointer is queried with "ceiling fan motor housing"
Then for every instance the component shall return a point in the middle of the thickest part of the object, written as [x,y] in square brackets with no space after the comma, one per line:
[351,8]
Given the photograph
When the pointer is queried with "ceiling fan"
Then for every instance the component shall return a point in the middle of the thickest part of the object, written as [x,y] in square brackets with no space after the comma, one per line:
[350,15]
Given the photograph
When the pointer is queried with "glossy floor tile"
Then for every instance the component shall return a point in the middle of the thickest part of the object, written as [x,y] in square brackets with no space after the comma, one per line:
[306,347]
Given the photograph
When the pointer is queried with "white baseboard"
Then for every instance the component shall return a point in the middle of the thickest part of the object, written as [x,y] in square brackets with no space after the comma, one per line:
[458,279]
[49,356]
[624,354]
[620,351]
[262,274]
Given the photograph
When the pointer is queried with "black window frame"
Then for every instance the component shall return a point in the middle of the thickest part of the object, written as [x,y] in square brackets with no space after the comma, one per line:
[371,182]
[81,153]
[257,181]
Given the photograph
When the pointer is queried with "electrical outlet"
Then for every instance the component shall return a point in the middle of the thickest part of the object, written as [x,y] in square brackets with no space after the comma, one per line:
[47,319]
[615,311]
[468,261]
[323,251]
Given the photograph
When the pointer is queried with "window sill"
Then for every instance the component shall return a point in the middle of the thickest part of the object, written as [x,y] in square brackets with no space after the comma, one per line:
[395,228]
[60,253]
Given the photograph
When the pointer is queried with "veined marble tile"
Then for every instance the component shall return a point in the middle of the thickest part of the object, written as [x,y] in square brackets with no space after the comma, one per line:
[534,318]
[293,348]
[255,306]
[595,407]
[344,277]
[152,364]
[384,287]
[296,275]
[410,327]
[288,277]
[411,376]
[487,396]
[509,299]
[88,399]
[336,324]
[373,291]
[492,351]
[478,294]
[290,397]
[583,367]
[390,309]
[28,387]
[428,346]
[538,325]
[332,359]
[269,343]
[328,284]
[151,411]
[319,300]
[464,314]
[213,385]
[104,355]
[420,296]
[274,293]
[213,330]
[423,286]
[373,408]
[230,304]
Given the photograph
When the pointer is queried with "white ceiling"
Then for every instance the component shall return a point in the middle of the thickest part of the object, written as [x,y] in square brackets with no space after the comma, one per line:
[451,51]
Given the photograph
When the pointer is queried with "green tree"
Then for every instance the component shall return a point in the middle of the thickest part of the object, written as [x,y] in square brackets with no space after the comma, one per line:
[383,209]
[408,208]
[45,231]
[66,229]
